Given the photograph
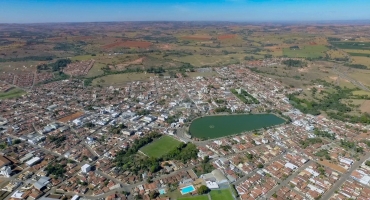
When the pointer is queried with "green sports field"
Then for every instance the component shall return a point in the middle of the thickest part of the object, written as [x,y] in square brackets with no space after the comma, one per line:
[221,194]
[160,146]
[204,197]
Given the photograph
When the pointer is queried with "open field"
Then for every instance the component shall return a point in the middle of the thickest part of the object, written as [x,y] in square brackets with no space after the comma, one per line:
[196,37]
[335,167]
[160,147]
[312,51]
[130,44]
[12,93]
[95,70]
[203,197]
[71,117]
[351,45]
[361,60]
[361,76]
[365,106]
[120,79]
[227,36]
[221,194]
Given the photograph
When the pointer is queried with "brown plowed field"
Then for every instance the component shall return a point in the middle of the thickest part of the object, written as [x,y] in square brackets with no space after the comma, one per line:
[228,36]
[71,117]
[137,44]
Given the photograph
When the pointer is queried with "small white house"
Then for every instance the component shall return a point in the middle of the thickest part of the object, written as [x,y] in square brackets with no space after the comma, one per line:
[85,168]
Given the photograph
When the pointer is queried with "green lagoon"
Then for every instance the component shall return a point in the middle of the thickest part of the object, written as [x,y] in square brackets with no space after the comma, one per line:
[210,127]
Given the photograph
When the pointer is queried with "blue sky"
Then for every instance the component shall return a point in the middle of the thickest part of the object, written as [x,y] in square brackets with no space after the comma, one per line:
[35,11]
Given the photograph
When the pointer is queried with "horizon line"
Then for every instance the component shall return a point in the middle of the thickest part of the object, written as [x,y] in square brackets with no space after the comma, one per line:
[204,21]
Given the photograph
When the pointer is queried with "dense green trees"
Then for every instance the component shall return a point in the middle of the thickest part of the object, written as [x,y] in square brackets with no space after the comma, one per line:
[56,66]
[203,189]
[294,63]
[129,160]
[245,97]
[158,70]
[331,104]
[28,58]
[357,66]
[184,152]
[310,141]
[57,170]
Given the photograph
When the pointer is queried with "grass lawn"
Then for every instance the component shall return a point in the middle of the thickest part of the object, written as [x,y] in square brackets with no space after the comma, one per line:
[203,197]
[12,93]
[221,194]
[160,146]
[306,51]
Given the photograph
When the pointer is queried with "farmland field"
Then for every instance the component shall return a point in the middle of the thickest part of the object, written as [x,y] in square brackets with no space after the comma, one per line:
[313,51]
[160,146]
[351,45]
[132,44]
[221,195]
[12,93]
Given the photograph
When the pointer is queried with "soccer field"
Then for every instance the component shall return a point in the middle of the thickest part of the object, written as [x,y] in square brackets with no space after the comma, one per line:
[204,197]
[160,146]
[221,195]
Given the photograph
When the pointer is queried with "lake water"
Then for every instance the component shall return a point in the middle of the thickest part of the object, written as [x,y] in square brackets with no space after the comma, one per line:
[210,127]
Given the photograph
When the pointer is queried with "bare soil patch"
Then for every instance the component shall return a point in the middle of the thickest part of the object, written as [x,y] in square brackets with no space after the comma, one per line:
[365,107]
[226,36]
[71,117]
[332,166]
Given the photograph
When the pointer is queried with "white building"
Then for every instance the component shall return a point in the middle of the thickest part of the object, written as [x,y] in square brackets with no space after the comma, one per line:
[85,168]
[6,171]
[33,161]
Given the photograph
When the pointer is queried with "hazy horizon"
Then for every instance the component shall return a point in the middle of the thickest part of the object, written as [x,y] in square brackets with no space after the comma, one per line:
[56,11]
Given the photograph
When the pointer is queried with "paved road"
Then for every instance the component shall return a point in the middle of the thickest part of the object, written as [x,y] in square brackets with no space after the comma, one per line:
[344,177]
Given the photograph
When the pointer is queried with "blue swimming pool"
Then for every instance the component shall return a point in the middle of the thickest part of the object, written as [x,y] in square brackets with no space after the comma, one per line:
[187,189]
[162,191]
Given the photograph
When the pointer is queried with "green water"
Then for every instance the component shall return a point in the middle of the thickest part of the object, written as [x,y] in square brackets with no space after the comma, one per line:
[219,126]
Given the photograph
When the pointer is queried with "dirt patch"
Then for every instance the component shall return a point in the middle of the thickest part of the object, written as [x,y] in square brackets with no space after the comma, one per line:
[165,47]
[227,36]
[365,107]
[332,166]
[134,44]
[197,37]
[71,117]
[334,78]
[313,43]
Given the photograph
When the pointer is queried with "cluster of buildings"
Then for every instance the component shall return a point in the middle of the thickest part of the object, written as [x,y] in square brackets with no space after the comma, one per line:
[79,68]
[83,129]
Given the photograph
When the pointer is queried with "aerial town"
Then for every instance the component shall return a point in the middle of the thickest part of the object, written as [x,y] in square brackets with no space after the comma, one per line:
[64,140]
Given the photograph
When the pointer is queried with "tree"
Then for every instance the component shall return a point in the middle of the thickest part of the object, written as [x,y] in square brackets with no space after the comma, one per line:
[203,189]
[260,165]
[153,194]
